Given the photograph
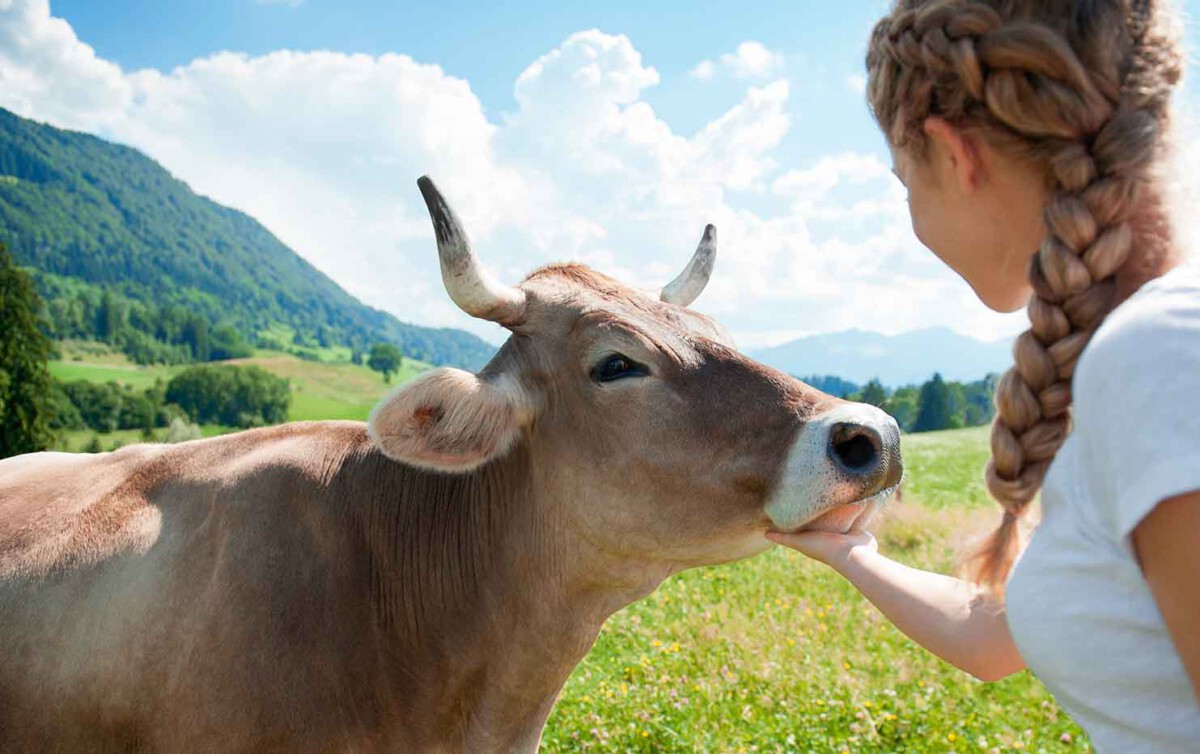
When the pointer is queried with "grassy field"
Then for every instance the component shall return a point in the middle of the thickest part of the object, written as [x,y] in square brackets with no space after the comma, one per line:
[127,374]
[779,654]
[331,391]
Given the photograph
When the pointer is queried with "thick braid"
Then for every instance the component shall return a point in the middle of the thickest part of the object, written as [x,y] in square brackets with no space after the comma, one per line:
[1011,70]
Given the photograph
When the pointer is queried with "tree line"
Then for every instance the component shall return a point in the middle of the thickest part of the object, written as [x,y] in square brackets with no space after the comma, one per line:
[935,404]
[146,333]
[231,396]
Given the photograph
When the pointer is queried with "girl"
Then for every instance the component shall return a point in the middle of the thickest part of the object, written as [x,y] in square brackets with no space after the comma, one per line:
[1030,135]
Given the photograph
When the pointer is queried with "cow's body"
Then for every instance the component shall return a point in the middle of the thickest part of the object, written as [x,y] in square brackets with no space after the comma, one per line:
[426,582]
[286,589]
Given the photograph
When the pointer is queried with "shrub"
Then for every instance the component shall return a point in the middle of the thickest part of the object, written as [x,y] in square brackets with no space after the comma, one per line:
[234,396]
[181,431]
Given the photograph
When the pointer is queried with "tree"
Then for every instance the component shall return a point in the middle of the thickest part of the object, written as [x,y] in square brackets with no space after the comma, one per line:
[195,334]
[936,407]
[385,358]
[181,431]
[108,318]
[874,393]
[98,404]
[231,396]
[227,343]
[902,405]
[831,384]
[25,388]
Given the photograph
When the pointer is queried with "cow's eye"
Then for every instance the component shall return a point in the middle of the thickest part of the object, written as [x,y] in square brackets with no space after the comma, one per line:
[618,367]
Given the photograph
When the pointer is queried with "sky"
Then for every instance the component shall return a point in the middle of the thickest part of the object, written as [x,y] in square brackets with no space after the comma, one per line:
[604,133]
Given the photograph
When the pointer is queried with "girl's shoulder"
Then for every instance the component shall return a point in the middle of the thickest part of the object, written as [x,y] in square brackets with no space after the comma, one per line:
[1136,395]
[1154,328]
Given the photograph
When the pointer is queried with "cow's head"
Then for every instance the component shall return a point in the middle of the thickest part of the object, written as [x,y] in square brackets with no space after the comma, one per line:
[648,427]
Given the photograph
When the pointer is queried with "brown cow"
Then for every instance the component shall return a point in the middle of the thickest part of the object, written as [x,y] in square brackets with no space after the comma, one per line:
[427,581]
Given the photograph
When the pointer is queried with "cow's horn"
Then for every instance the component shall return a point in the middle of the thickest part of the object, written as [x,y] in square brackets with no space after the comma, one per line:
[684,289]
[475,291]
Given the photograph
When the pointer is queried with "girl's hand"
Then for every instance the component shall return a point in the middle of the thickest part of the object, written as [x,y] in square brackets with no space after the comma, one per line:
[831,549]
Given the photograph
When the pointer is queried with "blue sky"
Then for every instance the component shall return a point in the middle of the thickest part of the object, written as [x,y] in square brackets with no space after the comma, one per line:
[822,44]
[605,132]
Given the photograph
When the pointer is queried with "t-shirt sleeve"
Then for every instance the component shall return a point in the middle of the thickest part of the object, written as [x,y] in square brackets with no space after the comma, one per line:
[1137,407]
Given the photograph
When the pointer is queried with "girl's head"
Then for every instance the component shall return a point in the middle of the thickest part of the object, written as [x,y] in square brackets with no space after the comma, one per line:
[1028,133]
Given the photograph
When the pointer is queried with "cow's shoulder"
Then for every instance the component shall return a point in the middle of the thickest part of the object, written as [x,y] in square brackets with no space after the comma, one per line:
[62,509]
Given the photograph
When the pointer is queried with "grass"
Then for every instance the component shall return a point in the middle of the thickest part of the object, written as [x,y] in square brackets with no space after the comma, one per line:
[132,375]
[331,391]
[945,469]
[779,654]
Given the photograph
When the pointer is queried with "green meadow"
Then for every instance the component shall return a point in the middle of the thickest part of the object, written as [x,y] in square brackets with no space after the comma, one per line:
[779,654]
[773,654]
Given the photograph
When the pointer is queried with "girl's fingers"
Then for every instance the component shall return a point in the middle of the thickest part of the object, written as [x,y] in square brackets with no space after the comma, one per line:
[809,543]
[821,545]
[787,539]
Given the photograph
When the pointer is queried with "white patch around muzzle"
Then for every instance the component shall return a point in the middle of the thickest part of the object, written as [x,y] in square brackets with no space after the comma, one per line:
[811,485]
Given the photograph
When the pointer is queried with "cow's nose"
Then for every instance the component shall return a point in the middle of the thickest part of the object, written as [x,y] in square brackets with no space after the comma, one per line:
[868,450]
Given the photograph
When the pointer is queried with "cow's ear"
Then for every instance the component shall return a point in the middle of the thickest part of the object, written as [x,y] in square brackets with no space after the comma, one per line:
[447,420]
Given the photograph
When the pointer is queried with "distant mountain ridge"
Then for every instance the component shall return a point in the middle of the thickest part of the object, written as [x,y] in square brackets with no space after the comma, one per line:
[896,360]
[76,206]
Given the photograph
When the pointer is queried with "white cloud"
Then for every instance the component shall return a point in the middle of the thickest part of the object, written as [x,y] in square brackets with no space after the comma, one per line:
[857,83]
[324,149]
[704,70]
[46,71]
[751,60]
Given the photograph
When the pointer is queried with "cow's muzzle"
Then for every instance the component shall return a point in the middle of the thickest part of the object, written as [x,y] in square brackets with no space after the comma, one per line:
[841,467]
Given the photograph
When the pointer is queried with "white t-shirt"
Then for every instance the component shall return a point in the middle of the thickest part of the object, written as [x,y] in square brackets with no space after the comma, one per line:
[1078,606]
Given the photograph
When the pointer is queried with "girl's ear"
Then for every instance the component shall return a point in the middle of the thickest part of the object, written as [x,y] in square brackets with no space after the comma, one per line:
[446,420]
[960,148]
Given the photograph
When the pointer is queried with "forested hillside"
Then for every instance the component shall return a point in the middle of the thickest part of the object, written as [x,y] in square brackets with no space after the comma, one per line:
[94,219]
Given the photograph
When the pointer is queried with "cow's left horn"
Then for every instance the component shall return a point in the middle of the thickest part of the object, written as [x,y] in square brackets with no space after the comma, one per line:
[470,286]
[684,289]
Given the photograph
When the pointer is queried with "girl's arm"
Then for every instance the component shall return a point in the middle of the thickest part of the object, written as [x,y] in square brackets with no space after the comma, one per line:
[949,617]
[1167,542]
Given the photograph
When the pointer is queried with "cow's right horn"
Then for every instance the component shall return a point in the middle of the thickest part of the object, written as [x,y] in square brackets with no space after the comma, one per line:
[684,289]
[470,286]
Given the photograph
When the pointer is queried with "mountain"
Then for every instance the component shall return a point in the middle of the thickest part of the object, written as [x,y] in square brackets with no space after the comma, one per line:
[76,206]
[896,360]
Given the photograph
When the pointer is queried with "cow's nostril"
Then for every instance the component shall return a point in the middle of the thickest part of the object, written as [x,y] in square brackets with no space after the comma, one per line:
[855,447]
[856,453]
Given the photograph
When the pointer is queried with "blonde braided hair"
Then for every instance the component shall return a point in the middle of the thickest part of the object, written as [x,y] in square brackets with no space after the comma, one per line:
[1080,87]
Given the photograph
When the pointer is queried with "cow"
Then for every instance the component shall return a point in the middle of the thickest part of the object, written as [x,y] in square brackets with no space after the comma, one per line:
[426,581]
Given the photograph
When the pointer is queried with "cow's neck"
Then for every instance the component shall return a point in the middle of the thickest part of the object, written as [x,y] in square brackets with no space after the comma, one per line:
[478,573]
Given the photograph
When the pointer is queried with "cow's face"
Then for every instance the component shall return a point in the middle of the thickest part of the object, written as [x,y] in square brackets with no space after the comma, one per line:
[654,435]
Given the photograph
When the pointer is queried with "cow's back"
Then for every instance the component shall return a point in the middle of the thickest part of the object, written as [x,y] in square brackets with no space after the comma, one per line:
[214,586]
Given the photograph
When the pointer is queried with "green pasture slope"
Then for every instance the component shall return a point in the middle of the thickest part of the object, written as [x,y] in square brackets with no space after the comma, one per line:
[320,389]
[778,654]
[774,654]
